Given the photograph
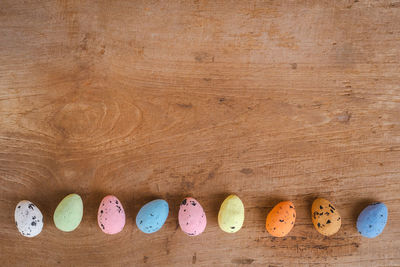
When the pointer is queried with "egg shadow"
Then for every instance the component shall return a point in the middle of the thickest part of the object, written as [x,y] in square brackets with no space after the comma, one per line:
[92,204]
[358,207]
[174,202]
[263,205]
[309,199]
[212,206]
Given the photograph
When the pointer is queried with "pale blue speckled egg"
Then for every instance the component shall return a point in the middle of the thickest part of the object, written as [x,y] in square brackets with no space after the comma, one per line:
[372,220]
[152,216]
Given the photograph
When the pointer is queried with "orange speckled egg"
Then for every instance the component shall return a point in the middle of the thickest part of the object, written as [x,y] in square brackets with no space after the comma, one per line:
[325,217]
[280,219]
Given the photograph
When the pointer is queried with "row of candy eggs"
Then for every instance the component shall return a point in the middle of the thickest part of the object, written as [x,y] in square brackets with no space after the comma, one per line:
[192,219]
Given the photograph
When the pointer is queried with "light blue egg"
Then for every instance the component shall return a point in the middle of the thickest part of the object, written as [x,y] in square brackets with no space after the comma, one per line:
[152,216]
[372,220]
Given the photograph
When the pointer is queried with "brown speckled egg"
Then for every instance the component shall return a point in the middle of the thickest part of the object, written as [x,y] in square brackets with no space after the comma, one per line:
[325,217]
[280,219]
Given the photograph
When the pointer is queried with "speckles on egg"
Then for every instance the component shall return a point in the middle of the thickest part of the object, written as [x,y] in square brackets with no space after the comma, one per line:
[281,219]
[231,214]
[28,219]
[111,215]
[191,217]
[69,212]
[372,220]
[325,217]
[152,216]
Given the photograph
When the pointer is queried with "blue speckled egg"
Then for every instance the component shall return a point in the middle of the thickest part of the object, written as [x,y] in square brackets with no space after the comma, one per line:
[152,216]
[372,220]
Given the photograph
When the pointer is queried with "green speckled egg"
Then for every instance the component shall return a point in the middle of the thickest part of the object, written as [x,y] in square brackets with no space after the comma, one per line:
[69,212]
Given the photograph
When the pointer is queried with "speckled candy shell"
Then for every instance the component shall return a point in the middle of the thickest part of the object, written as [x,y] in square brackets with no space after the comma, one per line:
[325,217]
[372,220]
[111,215]
[69,212]
[28,219]
[231,214]
[192,218]
[281,219]
[152,216]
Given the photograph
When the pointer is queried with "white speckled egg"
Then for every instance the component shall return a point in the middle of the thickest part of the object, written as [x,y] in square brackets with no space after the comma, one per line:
[28,218]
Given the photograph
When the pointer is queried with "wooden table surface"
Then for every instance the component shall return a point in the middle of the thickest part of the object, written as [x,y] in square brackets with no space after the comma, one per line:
[271,100]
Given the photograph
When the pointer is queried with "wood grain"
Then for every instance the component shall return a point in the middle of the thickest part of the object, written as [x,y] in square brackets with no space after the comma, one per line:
[271,100]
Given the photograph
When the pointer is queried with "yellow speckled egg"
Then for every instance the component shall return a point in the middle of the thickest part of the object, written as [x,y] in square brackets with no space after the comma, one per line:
[280,219]
[325,217]
[231,214]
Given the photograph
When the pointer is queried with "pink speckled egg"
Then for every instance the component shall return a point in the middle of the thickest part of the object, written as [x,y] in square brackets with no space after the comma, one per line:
[111,215]
[192,218]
